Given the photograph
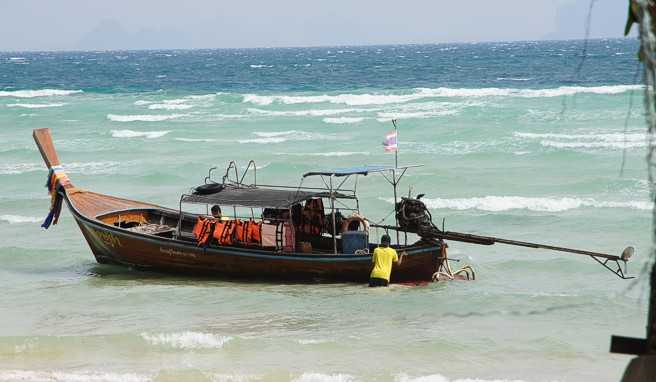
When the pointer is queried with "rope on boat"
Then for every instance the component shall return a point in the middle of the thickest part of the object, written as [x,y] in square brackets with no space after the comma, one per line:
[57,179]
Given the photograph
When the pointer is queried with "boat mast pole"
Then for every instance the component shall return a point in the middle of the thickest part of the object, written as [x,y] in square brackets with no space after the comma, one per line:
[394,183]
[332,213]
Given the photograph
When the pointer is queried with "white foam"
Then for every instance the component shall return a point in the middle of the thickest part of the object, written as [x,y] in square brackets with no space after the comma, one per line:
[66,376]
[527,93]
[142,102]
[187,340]
[138,134]
[169,106]
[592,145]
[20,168]
[284,136]
[235,377]
[313,341]
[267,134]
[329,154]
[304,113]
[144,118]
[38,93]
[386,117]
[261,66]
[540,204]
[348,99]
[91,168]
[421,93]
[592,140]
[264,140]
[18,219]
[513,79]
[318,377]
[72,167]
[343,120]
[440,378]
[35,105]
[195,139]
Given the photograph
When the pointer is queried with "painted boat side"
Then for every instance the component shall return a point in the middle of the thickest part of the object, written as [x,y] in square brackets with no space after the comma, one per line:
[111,244]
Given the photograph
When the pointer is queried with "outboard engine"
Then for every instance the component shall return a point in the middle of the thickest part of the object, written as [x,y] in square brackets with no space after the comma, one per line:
[413,216]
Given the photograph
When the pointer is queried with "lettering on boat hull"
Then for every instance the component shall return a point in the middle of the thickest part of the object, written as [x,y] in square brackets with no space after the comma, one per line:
[107,238]
[174,252]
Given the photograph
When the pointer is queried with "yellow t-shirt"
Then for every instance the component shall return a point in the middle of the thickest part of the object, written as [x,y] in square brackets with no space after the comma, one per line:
[383,259]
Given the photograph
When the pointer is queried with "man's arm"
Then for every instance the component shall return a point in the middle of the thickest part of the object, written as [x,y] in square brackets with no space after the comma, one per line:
[401,256]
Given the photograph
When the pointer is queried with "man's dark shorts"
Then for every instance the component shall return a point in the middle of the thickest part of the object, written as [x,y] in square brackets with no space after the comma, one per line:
[376,282]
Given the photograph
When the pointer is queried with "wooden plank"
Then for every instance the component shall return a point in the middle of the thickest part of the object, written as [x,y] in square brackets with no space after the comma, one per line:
[43,141]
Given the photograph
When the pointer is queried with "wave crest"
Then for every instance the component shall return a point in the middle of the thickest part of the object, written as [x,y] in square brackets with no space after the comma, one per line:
[35,105]
[187,340]
[37,93]
[18,219]
[343,120]
[68,376]
[144,118]
[139,134]
[442,92]
[318,377]
[538,204]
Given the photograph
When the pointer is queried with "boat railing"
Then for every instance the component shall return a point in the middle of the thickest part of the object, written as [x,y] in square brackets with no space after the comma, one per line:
[226,177]
[248,167]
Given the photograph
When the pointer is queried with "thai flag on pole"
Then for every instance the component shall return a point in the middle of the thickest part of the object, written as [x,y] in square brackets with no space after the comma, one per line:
[390,144]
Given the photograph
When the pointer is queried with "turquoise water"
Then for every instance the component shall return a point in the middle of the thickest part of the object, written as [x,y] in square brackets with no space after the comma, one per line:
[513,141]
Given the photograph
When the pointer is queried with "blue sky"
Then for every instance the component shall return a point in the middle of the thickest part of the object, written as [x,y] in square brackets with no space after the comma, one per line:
[155,24]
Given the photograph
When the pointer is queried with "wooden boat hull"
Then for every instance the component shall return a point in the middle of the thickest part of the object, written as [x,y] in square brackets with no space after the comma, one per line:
[118,245]
[111,244]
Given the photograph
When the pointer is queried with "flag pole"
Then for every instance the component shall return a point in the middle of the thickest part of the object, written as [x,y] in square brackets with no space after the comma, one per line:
[396,165]
[396,152]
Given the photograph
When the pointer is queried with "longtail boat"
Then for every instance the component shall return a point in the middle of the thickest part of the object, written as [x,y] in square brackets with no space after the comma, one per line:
[275,232]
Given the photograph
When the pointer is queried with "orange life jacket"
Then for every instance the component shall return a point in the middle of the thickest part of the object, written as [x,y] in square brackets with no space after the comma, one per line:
[203,230]
[223,231]
[253,232]
[198,226]
[241,231]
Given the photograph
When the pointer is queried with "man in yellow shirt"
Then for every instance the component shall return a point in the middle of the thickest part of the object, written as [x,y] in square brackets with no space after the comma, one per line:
[382,259]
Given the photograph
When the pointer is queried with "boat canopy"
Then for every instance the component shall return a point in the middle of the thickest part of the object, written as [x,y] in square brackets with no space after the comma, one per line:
[359,170]
[252,197]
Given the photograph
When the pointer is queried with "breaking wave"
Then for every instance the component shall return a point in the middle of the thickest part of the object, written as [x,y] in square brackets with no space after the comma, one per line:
[187,340]
[73,167]
[143,118]
[587,141]
[421,93]
[343,120]
[35,105]
[20,168]
[18,219]
[38,93]
[440,378]
[329,154]
[195,139]
[317,377]
[170,106]
[68,376]
[139,134]
[304,113]
[540,204]
[284,136]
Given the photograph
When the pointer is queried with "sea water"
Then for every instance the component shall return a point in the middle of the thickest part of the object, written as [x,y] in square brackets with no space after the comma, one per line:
[514,141]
